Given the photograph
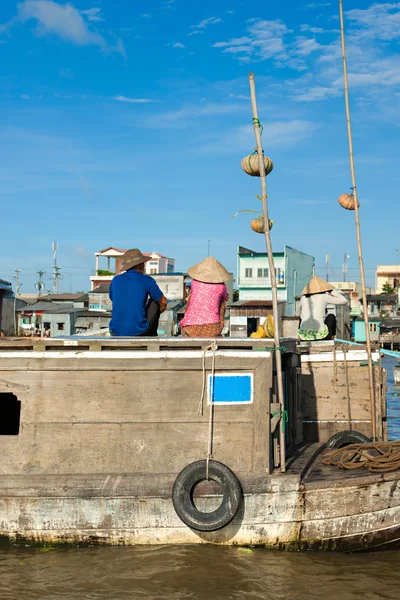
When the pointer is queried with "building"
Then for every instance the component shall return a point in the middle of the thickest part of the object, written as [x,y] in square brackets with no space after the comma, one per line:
[92,322]
[174,286]
[247,315]
[47,318]
[159,264]
[293,270]
[358,329]
[381,305]
[354,291]
[110,260]
[387,274]
[99,299]
[78,300]
[7,308]
[168,324]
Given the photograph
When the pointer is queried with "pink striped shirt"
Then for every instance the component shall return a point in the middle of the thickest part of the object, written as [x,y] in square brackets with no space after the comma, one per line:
[204,303]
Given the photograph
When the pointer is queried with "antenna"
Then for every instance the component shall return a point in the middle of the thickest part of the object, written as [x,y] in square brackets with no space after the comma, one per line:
[40,285]
[327,262]
[208,247]
[17,283]
[56,269]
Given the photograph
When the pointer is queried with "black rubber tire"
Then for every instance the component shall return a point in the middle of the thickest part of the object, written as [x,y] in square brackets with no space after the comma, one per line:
[344,438]
[182,495]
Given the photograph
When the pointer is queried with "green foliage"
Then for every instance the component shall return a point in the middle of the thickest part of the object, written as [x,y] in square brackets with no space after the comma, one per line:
[235,295]
[104,273]
[387,289]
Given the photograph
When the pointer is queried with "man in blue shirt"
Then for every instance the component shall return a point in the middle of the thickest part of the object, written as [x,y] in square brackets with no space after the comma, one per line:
[137,300]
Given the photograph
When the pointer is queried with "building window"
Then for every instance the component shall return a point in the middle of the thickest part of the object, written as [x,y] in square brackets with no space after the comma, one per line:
[248,273]
[60,326]
[259,272]
[266,273]
[280,276]
[372,327]
[153,271]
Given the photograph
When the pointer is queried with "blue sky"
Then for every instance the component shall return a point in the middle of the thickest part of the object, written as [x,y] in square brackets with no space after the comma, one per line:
[124,122]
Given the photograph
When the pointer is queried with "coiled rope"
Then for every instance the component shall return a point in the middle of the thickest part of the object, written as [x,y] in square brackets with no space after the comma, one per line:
[377,457]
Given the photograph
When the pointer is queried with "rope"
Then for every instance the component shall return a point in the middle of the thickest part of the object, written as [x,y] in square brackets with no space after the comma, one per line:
[346,372]
[213,348]
[377,457]
[257,122]
[283,414]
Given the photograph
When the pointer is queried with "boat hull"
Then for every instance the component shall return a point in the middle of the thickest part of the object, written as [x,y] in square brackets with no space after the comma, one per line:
[290,514]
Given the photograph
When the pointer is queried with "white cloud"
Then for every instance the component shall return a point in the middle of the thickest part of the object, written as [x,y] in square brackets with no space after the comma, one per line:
[65,21]
[183,116]
[279,134]
[380,21]
[178,45]
[206,22]
[264,40]
[315,93]
[145,15]
[92,14]
[133,100]
[317,5]
[25,97]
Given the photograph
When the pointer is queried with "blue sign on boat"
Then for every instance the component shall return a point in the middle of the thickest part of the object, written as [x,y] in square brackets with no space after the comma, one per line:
[231,388]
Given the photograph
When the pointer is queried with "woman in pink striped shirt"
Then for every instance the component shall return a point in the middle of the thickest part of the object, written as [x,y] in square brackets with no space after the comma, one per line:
[205,313]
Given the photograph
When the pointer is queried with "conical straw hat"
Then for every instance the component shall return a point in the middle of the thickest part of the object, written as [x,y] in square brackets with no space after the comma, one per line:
[316,286]
[209,271]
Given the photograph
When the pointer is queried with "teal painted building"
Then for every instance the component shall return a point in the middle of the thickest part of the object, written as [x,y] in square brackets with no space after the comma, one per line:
[358,329]
[293,270]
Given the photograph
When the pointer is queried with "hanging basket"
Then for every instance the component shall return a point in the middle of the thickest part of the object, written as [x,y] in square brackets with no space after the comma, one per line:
[258,225]
[347,201]
[250,165]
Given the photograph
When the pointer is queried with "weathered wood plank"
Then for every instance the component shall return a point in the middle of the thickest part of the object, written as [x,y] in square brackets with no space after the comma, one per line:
[119,396]
[122,448]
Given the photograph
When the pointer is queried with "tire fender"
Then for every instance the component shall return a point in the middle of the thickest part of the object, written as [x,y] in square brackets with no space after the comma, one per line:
[182,495]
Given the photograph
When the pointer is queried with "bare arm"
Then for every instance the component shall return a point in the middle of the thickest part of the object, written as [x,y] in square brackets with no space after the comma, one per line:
[163,303]
[335,298]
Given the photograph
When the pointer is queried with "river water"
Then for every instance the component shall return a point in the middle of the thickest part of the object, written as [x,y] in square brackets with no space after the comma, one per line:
[206,572]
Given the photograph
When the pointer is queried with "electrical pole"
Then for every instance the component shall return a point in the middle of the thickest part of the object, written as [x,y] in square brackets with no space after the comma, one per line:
[40,285]
[17,285]
[344,266]
[327,261]
[56,269]
[397,270]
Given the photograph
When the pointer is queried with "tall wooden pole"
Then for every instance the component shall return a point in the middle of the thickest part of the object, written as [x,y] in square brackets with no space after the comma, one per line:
[360,254]
[278,356]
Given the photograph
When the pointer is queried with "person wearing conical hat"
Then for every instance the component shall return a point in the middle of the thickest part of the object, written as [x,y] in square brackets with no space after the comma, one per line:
[315,324]
[204,316]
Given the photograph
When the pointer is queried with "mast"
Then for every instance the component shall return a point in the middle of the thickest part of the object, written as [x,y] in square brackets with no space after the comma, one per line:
[358,232]
[278,356]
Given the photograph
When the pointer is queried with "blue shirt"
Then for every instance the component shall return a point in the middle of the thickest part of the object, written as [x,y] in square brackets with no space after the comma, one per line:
[129,293]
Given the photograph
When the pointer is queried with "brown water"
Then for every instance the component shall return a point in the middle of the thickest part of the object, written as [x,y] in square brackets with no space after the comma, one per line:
[206,572]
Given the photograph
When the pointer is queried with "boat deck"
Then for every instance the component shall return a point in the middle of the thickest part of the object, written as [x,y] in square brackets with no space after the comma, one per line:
[318,475]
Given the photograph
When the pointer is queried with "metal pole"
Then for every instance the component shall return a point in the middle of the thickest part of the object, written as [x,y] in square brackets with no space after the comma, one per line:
[278,356]
[358,232]
[327,260]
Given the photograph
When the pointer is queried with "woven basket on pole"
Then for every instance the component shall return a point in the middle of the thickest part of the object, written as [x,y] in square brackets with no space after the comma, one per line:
[347,201]
[258,225]
[250,165]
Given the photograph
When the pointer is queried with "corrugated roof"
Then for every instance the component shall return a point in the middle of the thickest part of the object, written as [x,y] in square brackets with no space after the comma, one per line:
[55,297]
[253,303]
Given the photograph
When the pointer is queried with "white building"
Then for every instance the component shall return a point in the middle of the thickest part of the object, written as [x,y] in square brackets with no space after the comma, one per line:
[108,264]
[159,264]
[387,274]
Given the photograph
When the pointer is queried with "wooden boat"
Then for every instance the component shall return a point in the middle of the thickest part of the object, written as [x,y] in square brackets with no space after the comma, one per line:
[94,432]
